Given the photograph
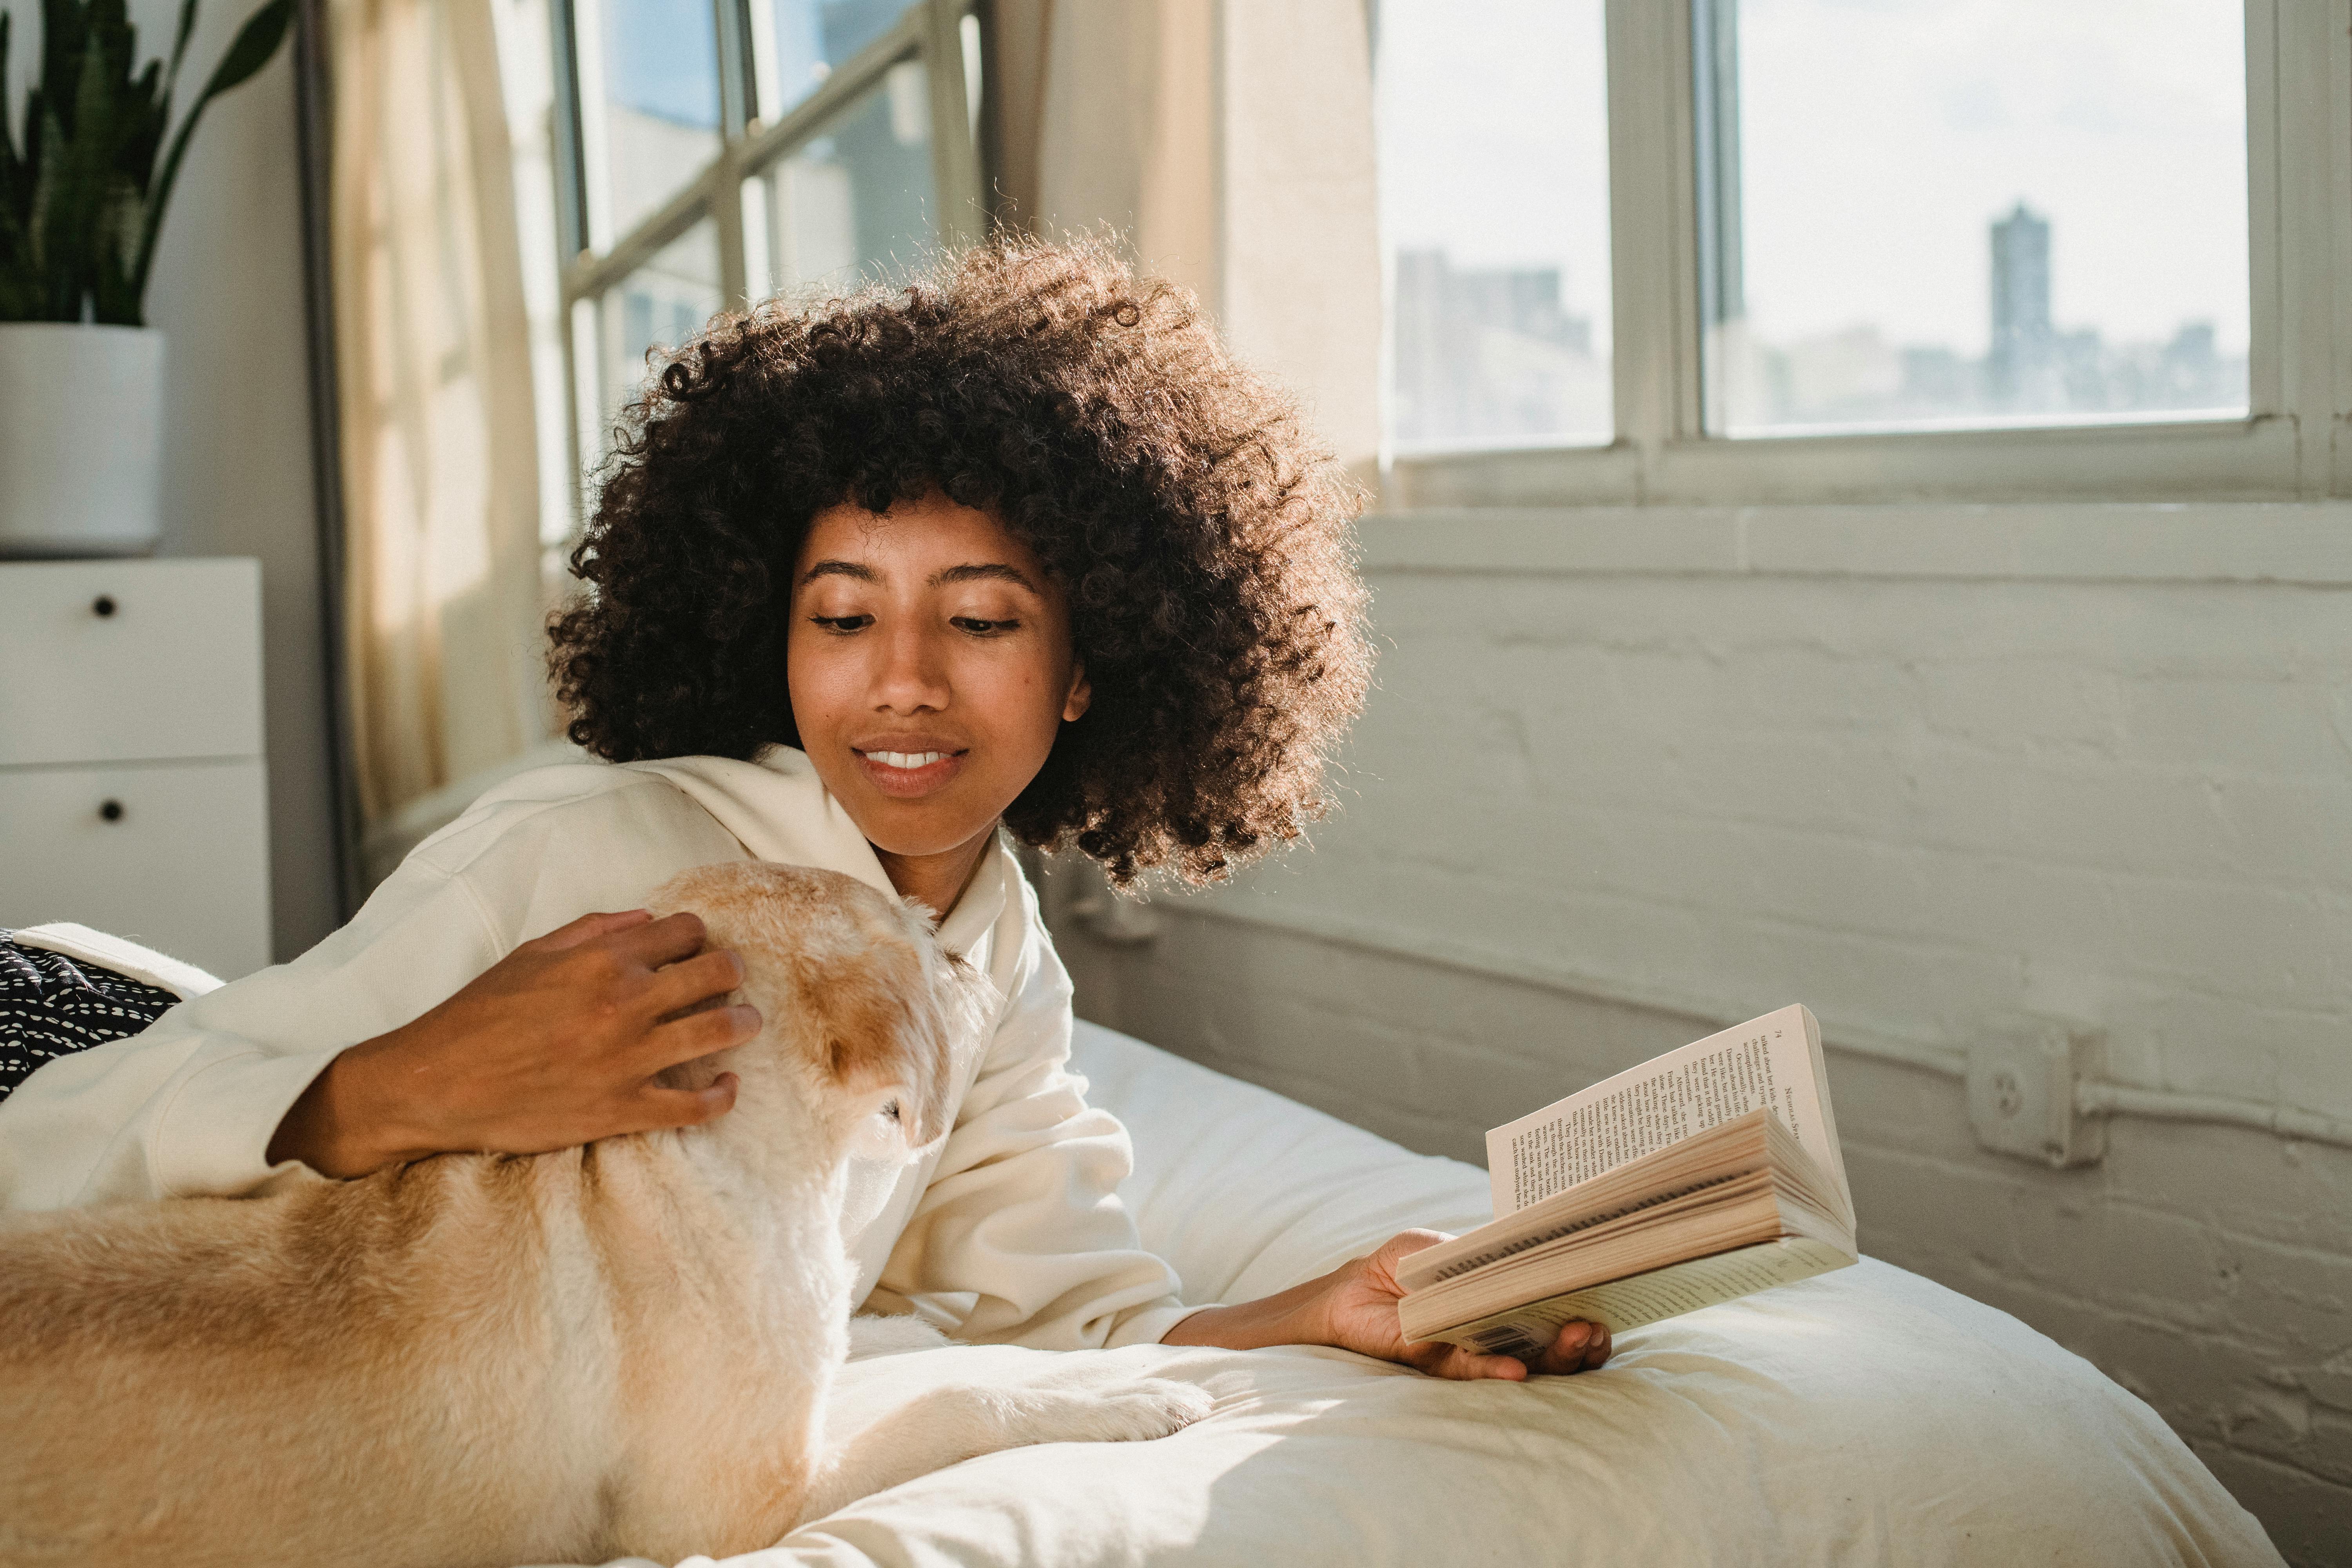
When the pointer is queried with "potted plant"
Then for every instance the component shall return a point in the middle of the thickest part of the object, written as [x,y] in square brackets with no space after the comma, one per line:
[81,203]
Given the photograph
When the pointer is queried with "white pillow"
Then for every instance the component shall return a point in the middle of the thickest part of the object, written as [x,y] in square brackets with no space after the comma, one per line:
[1865,1417]
[120,954]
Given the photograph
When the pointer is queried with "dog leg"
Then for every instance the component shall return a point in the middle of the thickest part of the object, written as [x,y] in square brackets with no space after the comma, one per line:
[870,1336]
[953,1425]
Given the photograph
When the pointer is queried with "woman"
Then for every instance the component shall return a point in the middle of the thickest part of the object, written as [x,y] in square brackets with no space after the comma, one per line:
[1017,550]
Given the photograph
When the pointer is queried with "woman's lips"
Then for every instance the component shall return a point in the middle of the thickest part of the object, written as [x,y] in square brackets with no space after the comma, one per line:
[910,775]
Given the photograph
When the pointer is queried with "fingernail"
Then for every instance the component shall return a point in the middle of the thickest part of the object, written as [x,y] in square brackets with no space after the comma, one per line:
[1578,1334]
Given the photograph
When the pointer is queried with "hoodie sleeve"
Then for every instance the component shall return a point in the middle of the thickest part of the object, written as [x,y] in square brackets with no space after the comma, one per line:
[187,1108]
[1022,1217]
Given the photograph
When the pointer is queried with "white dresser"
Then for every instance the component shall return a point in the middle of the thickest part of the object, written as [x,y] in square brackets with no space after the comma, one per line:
[131,792]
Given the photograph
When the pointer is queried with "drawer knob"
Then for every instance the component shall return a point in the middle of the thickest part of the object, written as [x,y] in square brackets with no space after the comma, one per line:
[102,607]
[111,810]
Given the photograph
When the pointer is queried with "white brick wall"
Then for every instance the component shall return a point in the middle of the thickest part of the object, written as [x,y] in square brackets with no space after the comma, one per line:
[1915,801]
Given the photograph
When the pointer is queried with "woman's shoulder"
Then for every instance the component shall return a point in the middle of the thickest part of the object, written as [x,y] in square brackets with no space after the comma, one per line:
[564,799]
[602,832]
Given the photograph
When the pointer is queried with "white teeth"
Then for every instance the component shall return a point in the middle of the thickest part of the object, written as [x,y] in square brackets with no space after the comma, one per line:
[906,759]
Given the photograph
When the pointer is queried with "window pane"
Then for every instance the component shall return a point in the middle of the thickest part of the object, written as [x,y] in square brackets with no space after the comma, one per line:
[1972,212]
[658,306]
[653,125]
[1494,153]
[798,44]
[853,203]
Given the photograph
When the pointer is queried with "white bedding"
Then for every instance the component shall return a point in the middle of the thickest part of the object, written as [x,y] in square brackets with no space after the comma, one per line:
[1867,1417]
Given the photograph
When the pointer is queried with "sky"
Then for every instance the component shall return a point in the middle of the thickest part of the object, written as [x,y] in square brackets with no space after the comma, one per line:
[1880,138]
[1494,137]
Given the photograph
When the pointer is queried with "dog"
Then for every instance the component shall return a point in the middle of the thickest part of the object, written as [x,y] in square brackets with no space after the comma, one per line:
[485,1360]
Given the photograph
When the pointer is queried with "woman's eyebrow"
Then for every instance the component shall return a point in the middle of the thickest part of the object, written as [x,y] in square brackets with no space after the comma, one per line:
[979,572]
[840,569]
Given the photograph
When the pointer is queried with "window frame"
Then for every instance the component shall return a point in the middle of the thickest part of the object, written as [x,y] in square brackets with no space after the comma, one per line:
[932,31]
[2293,443]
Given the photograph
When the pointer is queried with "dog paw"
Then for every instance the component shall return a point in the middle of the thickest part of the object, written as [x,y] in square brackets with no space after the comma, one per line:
[1131,1410]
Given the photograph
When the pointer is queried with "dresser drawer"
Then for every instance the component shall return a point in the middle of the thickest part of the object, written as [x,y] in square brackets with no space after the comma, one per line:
[117,660]
[181,863]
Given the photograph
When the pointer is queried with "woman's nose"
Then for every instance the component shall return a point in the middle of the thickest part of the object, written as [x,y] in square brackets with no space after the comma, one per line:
[913,676]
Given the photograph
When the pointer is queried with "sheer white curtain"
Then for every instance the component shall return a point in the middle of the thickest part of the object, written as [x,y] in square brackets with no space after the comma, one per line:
[1230,141]
[440,445]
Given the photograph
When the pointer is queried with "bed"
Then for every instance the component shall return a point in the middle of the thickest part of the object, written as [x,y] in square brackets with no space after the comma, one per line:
[1868,1416]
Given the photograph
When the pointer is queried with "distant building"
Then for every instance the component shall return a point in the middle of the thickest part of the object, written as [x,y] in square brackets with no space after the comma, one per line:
[2020,359]
[1489,354]
[1842,375]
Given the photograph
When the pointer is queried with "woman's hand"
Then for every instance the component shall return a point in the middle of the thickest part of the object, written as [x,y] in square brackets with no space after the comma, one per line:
[554,1046]
[1354,1307]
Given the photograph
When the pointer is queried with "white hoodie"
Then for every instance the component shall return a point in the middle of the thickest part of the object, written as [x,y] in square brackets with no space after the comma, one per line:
[1010,1231]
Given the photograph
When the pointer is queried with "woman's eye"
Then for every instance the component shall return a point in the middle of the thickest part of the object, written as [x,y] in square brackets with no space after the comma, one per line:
[979,628]
[843,623]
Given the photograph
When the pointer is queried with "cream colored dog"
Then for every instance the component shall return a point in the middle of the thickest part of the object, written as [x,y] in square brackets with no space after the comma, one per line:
[623,1348]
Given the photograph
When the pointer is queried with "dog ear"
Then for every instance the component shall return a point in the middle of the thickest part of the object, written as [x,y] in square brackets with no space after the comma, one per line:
[889,1040]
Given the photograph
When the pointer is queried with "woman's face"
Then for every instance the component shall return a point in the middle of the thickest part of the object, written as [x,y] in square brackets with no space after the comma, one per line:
[929,667]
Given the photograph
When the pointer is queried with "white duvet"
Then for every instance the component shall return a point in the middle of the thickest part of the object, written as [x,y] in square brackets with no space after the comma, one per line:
[1867,1417]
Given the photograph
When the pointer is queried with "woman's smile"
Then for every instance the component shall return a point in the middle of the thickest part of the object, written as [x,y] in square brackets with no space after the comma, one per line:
[910,773]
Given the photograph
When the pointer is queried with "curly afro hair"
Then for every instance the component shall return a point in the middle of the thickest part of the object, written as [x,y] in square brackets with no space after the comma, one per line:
[1201,535]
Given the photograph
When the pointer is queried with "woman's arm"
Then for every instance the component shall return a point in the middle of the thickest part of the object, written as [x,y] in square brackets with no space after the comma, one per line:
[1354,1307]
[554,1046]
[1022,1214]
[460,1019]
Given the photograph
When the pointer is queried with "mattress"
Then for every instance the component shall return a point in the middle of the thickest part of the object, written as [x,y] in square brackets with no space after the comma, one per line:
[1866,1417]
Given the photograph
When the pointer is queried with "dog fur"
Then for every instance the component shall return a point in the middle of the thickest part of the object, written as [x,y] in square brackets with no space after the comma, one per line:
[623,1348]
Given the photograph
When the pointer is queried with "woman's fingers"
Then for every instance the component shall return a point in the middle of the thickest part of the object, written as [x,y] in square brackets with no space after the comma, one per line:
[664,941]
[1470,1367]
[663,1108]
[587,928]
[700,1034]
[678,987]
[1578,1347]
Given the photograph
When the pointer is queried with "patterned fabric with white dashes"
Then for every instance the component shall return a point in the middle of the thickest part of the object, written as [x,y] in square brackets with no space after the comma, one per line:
[52,1005]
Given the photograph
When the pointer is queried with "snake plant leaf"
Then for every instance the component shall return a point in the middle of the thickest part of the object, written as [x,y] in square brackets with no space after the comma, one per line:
[256,42]
[80,200]
[15,191]
[180,47]
[89,212]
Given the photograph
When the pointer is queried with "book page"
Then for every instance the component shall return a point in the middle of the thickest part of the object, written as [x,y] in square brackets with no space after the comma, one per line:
[1769,1063]
[1667,1292]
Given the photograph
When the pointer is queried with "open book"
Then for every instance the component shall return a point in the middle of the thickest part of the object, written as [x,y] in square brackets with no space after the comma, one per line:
[1705,1175]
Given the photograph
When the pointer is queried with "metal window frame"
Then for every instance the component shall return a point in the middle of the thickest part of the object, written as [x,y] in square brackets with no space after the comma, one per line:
[2294,445]
[929,31]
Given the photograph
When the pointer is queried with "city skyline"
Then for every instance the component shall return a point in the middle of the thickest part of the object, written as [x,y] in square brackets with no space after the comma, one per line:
[2031,361]
[1485,354]
[1865,266]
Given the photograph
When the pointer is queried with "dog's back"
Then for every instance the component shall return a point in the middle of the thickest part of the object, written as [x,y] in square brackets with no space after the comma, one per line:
[182,1380]
[486,1359]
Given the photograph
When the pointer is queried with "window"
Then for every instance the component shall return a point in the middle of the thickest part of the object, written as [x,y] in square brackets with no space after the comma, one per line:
[650,107]
[714,153]
[849,201]
[2004,212]
[1495,203]
[1901,250]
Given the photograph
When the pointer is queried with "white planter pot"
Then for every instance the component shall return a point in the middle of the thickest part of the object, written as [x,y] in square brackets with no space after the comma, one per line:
[81,439]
